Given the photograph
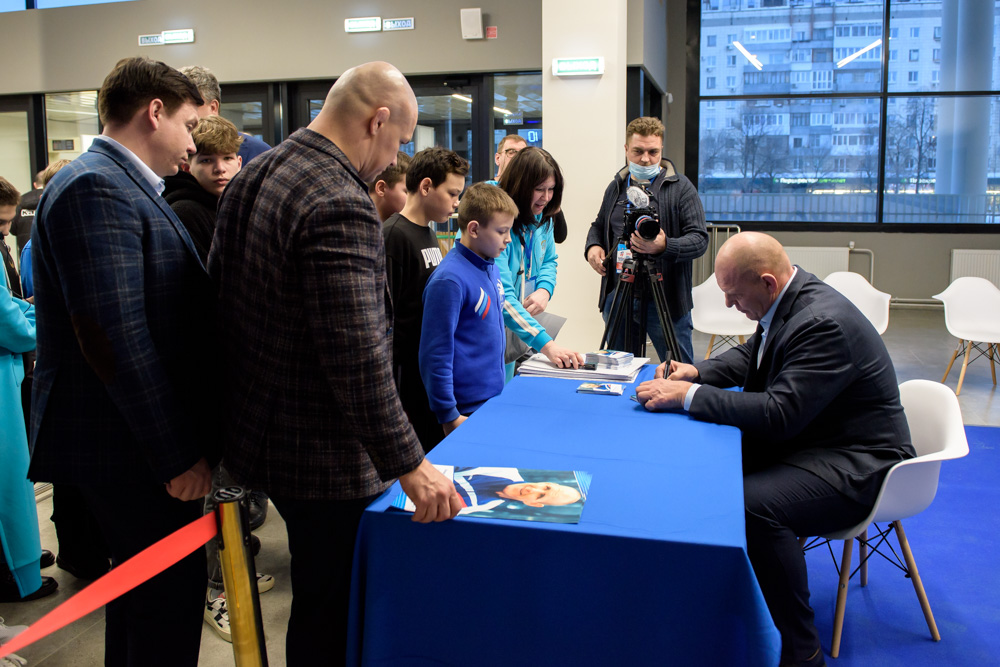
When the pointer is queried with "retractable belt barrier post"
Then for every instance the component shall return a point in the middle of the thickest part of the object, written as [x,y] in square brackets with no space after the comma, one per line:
[240,578]
[230,524]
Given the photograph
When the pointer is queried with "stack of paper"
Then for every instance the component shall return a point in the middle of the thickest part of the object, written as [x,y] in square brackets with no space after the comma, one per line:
[609,358]
[540,366]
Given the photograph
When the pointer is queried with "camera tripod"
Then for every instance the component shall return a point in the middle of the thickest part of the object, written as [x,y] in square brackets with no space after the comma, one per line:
[638,280]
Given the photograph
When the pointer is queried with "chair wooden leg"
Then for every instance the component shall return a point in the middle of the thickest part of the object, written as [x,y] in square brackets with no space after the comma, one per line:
[743,339]
[918,585]
[993,366]
[863,541]
[838,617]
[951,361]
[965,366]
[711,344]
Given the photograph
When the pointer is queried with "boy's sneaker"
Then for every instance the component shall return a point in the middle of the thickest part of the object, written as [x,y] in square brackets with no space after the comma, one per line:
[8,632]
[217,617]
[13,660]
[265,582]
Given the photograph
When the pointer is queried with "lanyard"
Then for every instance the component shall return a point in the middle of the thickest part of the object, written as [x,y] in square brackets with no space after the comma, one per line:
[528,247]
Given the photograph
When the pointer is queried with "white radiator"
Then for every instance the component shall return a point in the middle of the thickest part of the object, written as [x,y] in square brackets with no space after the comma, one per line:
[820,261]
[976,263]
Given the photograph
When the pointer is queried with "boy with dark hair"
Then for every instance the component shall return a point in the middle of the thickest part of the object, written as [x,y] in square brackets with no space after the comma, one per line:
[388,190]
[434,180]
[194,192]
[462,340]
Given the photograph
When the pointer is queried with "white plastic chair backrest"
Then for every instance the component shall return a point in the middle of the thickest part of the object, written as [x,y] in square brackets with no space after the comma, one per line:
[870,301]
[937,434]
[971,303]
[710,314]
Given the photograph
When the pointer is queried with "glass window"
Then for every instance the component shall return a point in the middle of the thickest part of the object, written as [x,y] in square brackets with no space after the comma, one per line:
[710,41]
[12,6]
[71,123]
[15,162]
[791,160]
[517,108]
[942,160]
[764,156]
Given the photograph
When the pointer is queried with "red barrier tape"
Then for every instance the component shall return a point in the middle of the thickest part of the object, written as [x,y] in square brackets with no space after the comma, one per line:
[136,570]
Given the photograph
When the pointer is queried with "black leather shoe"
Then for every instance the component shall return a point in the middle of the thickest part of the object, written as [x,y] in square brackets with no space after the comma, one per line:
[9,592]
[254,545]
[48,559]
[257,503]
[88,572]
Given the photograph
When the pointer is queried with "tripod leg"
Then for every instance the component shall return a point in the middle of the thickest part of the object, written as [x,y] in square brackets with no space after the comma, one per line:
[663,313]
[621,301]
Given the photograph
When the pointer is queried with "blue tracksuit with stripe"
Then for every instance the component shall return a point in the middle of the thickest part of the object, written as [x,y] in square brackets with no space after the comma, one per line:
[462,337]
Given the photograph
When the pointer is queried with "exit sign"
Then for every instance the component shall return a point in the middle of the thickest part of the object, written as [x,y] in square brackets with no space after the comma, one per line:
[593,66]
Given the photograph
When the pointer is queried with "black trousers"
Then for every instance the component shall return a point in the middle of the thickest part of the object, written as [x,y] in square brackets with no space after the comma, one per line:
[81,540]
[321,536]
[158,622]
[784,503]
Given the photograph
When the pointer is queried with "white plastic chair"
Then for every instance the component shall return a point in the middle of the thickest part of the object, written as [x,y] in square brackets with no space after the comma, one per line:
[972,315]
[870,301]
[937,434]
[711,316]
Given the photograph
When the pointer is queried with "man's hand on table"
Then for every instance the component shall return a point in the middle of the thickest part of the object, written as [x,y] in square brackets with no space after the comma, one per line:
[660,394]
[432,493]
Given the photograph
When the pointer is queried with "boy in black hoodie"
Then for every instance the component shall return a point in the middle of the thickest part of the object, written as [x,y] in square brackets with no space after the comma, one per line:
[194,192]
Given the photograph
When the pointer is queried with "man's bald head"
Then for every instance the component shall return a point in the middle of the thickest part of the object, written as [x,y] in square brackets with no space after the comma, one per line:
[752,269]
[755,254]
[369,112]
[369,86]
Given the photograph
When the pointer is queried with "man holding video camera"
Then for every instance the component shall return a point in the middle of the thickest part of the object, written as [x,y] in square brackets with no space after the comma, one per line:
[681,238]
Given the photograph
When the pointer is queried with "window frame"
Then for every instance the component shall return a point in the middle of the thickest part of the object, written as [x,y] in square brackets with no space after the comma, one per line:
[884,93]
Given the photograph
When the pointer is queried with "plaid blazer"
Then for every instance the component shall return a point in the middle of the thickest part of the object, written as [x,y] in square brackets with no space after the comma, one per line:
[311,410]
[124,311]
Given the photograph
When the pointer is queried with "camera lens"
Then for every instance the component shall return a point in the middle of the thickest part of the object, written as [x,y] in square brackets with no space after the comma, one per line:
[647,227]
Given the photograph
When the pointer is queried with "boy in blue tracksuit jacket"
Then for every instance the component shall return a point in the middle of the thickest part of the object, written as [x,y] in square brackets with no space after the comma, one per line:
[462,336]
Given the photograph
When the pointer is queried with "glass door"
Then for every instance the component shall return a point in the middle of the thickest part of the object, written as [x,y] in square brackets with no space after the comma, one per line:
[15,152]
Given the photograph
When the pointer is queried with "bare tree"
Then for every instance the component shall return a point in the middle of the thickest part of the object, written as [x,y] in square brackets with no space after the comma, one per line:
[897,153]
[756,149]
[921,122]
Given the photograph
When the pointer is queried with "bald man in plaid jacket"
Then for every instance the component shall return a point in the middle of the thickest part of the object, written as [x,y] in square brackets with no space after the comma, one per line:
[312,415]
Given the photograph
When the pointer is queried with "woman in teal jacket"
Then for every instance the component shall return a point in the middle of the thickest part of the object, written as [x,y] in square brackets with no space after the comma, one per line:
[18,514]
[528,265]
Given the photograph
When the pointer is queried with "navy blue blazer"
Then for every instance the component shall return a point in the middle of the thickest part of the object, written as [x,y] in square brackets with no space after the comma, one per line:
[824,398]
[125,318]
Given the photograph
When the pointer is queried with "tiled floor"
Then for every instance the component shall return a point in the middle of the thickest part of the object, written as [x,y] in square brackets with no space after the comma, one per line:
[917,340]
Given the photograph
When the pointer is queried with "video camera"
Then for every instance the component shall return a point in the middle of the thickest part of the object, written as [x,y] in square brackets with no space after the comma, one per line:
[641,217]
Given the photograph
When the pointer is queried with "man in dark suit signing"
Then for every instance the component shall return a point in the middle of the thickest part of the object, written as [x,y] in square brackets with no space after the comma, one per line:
[312,416]
[124,308]
[819,411]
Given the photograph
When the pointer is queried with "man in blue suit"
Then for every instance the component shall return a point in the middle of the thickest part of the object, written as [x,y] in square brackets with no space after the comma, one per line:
[122,398]
[819,411]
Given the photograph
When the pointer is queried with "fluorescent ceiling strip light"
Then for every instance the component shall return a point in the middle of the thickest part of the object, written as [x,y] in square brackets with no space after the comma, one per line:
[749,56]
[464,98]
[505,112]
[857,54]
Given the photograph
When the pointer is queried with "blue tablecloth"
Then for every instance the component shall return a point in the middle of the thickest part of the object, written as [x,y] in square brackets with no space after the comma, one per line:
[655,573]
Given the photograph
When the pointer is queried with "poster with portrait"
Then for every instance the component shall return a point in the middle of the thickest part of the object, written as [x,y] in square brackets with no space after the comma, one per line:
[521,494]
